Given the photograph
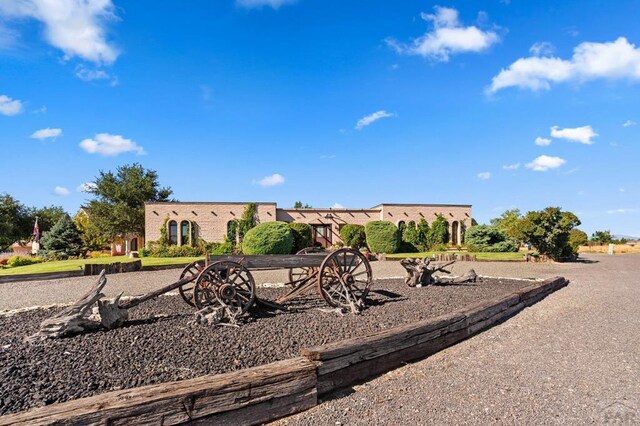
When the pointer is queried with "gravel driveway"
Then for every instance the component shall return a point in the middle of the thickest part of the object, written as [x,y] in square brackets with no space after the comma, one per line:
[573,358]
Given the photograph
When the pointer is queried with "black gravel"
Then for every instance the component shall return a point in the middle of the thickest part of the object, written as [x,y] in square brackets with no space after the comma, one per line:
[160,342]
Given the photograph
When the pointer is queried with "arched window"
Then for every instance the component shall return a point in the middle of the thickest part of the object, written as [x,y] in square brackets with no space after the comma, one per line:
[184,232]
[401,226]
[455,227]
[133,245]
[173,232]
[232,229]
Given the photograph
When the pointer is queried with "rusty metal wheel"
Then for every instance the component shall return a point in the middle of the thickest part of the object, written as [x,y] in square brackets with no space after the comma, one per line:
[225,283]
[299,274]
[186,291]
[344,278]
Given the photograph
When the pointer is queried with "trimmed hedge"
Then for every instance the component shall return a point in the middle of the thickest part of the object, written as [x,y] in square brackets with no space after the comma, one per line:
[302,236]
[382,236]
[268,238]
[353,235]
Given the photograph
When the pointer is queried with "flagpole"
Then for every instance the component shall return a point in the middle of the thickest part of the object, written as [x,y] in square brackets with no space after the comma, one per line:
[35,246]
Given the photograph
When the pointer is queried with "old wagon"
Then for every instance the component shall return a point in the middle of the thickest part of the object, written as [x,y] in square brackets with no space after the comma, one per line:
[342,278]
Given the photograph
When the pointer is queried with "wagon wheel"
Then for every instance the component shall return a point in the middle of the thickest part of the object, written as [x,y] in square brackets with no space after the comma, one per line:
[345,276]
[227,284]
[298,274]
[186,291]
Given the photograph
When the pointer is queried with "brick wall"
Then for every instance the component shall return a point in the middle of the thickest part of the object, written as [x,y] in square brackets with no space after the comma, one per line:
[212,218]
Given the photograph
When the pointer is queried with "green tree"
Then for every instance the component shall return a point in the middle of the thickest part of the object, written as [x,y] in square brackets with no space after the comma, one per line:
[63,239]
[423,234]
[15,221]
[577,238]
[89,233]
[548,231]
[439,232]
[509,223]
[299,205]
[602,237]
[353,235]
[118,206]
[410,238]
[247,221]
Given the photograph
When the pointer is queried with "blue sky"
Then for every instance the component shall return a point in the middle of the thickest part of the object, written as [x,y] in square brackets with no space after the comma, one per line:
[498,104]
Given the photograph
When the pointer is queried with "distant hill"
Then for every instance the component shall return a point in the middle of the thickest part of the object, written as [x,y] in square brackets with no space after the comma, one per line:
[628,237]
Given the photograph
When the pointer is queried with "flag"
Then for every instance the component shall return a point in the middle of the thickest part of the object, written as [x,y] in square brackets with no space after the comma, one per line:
[36,232]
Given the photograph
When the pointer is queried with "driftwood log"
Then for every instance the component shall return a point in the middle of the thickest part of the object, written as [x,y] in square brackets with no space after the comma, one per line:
[108,313]
[469,277]
[420,272]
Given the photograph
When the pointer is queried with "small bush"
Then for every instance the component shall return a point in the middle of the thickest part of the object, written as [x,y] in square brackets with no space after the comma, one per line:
[268,238]
[302,236]
[14,261]
[97,253]
[353,235]
[382,236]
[225,247]
[144,252]
[156,249]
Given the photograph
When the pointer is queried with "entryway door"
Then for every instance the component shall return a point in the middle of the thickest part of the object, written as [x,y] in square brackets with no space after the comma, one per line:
[322,235]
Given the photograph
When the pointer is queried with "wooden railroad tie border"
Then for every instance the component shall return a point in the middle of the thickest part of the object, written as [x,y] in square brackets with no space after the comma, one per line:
[353,361]
[260,394]
[245,397]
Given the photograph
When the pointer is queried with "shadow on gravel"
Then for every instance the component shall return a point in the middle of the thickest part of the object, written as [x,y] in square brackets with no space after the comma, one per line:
[387,293]
[586,261]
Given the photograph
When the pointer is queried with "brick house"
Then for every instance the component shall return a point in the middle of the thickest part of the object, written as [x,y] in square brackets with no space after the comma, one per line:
[213,218]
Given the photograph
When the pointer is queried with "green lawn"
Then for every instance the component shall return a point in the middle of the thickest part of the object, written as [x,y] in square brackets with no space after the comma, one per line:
[479,256]
[78,264]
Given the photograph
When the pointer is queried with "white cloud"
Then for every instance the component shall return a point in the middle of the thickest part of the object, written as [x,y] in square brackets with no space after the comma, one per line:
[514,166]
[61,191]
[542,48]
[545,162]
[328,157]
[87,74]
[273,180]
[543,141]
[613,60]
[371,118]
[448,37]
[337,206]
[582,134]
[86,187]
[484,175]
[77,27]
[621,211]
[621,190]
[110,145]
[629,123]
[47,133]
[260,3]
[9,106]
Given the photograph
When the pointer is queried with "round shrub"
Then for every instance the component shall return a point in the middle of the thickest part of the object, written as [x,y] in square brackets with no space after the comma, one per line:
[268,238]
[382,236]
[301,236]
[353,235]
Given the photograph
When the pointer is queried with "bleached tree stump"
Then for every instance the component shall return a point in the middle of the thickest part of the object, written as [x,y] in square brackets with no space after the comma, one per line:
[73,320]
[420,271]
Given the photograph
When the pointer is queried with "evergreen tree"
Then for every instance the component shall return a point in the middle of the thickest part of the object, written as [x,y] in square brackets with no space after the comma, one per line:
[63,239]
